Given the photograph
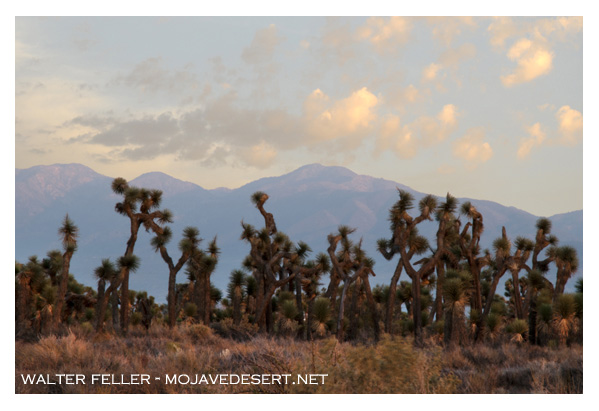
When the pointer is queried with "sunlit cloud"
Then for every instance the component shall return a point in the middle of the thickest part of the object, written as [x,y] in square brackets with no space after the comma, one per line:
[261,155]
[536,138]
[328,120]
[570,125]
[532,61]
[472,148]
[431,72]
[446,29]
[423,132]
[386,34]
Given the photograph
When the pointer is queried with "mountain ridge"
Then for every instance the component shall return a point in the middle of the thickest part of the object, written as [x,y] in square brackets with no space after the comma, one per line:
[308,203]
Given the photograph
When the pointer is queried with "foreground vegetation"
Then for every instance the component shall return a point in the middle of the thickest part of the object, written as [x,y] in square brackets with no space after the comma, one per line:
[391,366]
[443,329]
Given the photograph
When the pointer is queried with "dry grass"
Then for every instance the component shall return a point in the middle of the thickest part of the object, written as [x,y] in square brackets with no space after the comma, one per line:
[392,366]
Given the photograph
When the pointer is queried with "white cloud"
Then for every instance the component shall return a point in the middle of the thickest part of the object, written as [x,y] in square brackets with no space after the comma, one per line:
[261,155]
[349,117]
[570,125]
[386,34]
[430,72]
[425,131]
[445,29]
[532,62]
[472,148]
[537,136]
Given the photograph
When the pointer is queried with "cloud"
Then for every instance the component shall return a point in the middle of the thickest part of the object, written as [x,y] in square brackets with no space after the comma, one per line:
[537,136]
[263,45]
[150,76]
[448,116]
[386,34]
[533,61]
[501,29]
[423,132]
[452,57]
[261,155]
[396,138]
[430,72]
[445,29]
[337,41]
[546,30]
[472,148]
[223,132]
[570,125]
[347,118]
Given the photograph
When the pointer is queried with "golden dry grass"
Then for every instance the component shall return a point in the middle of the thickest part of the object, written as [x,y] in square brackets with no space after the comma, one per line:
[392,366]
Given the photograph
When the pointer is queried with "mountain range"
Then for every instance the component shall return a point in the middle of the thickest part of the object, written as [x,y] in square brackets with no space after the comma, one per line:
[308,204]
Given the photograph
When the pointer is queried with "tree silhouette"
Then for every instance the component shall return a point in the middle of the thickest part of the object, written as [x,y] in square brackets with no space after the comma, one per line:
[68,233]
[188,245]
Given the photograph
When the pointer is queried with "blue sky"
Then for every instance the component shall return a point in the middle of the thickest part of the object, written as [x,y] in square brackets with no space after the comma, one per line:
[486,108]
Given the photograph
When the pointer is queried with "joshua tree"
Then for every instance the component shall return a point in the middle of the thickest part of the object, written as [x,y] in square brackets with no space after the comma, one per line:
[270,255]
[104,273]
[52,265]
[321,315]
[140,206]
[235,293]
[403,225]
[388,248]
[349,265]
[29,279]
[470,250]
[536,282]
[518,261]
[188,245]
[499,265]
[456,290]
[68,233]
[310,281]
[566,260]
[201,265]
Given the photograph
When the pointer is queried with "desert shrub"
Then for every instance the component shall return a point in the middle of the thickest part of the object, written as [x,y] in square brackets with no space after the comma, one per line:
[136,318]
[391,366]
[518,329]
[190,310]
[198,333]
[242,332]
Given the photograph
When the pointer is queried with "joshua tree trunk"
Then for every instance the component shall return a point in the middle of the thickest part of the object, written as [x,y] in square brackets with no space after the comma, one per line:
[437,313]
[372,308]
[517,295]
[101,292]
[24,291]
[532,320]
[353,311]
[417,312]
[62,290]
[341,311]
[391,299]
[125,306]
[125,276]
[172,298]
[298,301]
[309,319]
[237,306]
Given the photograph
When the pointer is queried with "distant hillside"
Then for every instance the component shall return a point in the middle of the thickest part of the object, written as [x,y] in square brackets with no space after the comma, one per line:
[308,204]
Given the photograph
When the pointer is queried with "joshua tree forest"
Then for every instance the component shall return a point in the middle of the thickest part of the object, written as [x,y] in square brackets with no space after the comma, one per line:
[443,303]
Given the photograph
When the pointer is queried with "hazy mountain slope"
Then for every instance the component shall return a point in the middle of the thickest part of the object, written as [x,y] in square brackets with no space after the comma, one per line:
[308,204]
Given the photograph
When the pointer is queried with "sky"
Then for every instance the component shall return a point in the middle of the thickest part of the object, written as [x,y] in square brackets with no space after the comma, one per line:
[485,108]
